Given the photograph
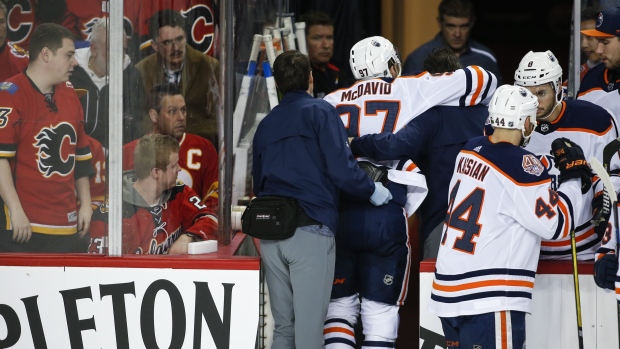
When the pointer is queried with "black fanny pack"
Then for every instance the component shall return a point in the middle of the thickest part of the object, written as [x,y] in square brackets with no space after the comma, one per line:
[273,218]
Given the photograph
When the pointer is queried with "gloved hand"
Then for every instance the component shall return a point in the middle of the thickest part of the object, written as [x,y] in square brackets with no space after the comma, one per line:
[381,196]
[571,162]
[605,271]
[601,211]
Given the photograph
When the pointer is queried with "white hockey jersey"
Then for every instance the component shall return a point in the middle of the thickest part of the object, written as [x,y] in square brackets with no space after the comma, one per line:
[500,205]
[378,105]
[592,128]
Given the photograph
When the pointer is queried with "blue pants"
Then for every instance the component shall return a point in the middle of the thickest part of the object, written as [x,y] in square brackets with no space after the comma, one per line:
[498,330]
[372,253]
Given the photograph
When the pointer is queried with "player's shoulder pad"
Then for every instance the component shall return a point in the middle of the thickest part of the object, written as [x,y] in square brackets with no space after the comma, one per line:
[9,87]
[598,119]
[514,163]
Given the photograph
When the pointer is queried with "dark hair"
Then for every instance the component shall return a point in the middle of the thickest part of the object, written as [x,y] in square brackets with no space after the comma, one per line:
[456,8]
[158,92]
[153,151]
[291,70]
[48,35]
[441,60]
[315,18]
[165,18]
[589,13]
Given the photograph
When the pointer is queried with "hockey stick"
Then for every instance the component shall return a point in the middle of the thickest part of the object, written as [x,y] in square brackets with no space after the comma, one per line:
[573,248]
[242,101]
[272,92]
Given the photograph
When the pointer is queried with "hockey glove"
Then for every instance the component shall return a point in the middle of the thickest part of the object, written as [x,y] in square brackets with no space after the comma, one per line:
[381,196]
[605,271]
[571,162]
[601,211]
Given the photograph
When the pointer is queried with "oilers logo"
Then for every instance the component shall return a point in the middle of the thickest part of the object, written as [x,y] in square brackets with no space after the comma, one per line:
[50,158]
[200,28]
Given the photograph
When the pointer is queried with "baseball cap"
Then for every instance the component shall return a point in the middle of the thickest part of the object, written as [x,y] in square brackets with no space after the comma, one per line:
[607,24]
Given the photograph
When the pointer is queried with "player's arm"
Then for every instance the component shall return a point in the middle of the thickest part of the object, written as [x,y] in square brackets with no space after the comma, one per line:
[410,142]
[464,87]
[99,230]
[22,231]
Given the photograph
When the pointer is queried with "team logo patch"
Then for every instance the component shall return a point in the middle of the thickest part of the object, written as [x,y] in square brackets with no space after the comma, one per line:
[8,87]
[532,165]
[388,279]
[50,158]
[18,51]
[599,20]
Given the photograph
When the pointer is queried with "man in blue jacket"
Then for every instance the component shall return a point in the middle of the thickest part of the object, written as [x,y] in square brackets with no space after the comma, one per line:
[300,151]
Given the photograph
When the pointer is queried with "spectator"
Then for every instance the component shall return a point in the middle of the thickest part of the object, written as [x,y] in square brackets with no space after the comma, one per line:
[320,41]
[589,15]
[497,216]
[604,77]
[13,59]
[300,151]
[160,214]
[90,79]
[197,156]
[456,20]
[43,148]
[176,62]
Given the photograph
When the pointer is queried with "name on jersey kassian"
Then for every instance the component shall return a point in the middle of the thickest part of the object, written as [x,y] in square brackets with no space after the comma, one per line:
[370,88]
[472,168]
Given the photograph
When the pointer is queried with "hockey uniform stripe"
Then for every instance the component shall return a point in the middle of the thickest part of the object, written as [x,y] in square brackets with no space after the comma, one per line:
[486,90]
[588,91]
[479,284]
[482,296]
[338,334]
[468,85]
[561,243]
[503,330]
[404,288]
[484,272]
[53,230]
[577,129]
[479,86]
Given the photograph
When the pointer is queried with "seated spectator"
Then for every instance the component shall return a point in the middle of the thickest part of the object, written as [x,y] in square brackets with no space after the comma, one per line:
[456,20]
[176,62]
[197,156]
[160,214]
[320,41]
[90,79]
[13,59]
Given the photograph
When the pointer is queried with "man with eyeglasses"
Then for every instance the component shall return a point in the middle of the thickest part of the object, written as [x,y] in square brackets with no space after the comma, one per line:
[195,73]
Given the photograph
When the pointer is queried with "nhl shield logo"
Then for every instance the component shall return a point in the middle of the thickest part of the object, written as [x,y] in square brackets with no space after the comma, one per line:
[477,346]
[544,127]
[388,279]
[532,165]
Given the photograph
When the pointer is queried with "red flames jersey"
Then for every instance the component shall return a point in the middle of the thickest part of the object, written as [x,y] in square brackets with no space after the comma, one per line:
[198,160]
[47,150]
[13,60]
[152,230]
[98,187]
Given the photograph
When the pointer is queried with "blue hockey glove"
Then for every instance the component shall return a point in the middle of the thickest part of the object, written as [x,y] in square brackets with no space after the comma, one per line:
[605,271]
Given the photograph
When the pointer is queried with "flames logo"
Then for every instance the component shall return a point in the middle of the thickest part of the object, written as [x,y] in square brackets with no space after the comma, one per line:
[200,27]
[49,157]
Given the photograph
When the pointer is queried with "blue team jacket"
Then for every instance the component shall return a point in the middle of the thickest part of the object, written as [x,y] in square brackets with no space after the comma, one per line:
[300,150]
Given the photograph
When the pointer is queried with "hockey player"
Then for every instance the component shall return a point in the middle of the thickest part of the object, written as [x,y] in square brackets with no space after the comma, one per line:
[580,121]
[604,77]
[43,148]
[197,156]
[372,245]
[501,204]
[160,214]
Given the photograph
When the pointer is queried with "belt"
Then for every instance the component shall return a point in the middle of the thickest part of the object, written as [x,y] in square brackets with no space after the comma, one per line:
[304,220]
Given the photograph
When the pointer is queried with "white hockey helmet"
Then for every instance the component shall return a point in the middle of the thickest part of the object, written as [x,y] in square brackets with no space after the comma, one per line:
[510,106]
[538,68]
[372,58]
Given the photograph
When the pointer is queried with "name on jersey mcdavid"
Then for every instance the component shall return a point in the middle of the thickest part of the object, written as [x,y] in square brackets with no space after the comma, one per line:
[369,88]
